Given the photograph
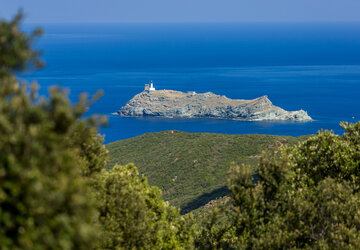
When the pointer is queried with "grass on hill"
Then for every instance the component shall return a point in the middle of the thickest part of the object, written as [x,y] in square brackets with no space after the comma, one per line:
[191,168]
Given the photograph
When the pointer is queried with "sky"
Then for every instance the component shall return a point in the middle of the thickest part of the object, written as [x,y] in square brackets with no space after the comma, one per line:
[166,11]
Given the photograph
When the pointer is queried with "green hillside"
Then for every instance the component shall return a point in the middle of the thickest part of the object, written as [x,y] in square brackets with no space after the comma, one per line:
[191,168]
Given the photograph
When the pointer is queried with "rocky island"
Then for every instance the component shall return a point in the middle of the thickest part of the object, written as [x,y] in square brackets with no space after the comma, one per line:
[170,103]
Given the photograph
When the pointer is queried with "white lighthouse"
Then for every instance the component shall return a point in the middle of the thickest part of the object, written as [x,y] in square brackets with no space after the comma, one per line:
[151,86]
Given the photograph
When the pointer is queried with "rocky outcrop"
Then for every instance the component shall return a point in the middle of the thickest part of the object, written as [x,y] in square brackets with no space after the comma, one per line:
[169,103]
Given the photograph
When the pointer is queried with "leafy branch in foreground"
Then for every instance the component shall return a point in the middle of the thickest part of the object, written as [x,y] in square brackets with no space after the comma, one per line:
[44,200]
[16,52]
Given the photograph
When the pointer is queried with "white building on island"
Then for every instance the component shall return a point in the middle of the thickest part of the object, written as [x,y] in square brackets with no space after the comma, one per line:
[149,88]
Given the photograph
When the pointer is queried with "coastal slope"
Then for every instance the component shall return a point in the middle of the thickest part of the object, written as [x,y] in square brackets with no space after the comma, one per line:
[170,103]
[192,168]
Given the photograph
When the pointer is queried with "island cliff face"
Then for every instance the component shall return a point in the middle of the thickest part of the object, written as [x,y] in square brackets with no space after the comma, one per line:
[170,103]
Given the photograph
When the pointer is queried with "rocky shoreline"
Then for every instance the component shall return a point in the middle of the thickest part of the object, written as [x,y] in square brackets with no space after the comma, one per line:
[170,103]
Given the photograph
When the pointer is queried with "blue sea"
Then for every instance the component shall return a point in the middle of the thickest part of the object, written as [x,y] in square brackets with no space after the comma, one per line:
[315,67]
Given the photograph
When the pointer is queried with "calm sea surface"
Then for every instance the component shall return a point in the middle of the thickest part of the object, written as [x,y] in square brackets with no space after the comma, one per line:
[315,67]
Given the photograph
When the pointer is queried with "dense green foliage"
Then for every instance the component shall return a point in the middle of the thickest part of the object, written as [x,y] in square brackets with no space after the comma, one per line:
[134,216]
[191,168]
[41,192]
[307,196]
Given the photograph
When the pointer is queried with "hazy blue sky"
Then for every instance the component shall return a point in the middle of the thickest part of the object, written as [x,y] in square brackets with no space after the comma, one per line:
[50,11]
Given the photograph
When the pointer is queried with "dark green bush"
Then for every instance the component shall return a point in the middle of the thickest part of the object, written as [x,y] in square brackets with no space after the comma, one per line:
[304,196]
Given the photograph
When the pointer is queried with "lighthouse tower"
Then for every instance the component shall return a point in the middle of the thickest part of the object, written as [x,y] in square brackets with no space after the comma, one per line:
[151,86]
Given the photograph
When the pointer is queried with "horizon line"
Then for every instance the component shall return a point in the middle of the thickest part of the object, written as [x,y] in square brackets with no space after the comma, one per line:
[198,22]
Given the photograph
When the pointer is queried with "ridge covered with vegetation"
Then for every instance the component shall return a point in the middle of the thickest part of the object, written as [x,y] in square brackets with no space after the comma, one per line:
[192,168]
